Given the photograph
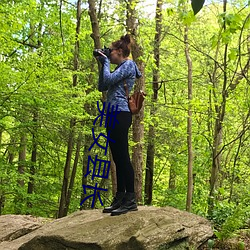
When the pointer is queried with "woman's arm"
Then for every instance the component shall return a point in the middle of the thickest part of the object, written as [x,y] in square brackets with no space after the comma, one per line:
[123,72]
[101,86]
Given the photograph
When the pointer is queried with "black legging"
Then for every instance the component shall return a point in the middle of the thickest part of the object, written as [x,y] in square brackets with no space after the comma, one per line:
[120,153]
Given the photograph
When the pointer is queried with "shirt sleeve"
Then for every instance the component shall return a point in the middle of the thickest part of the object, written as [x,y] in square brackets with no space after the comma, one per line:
[122,72]
[101,86]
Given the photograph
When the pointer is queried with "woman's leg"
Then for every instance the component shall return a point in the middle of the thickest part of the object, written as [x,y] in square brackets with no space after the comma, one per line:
[120,178]
[124,169]
[120,152]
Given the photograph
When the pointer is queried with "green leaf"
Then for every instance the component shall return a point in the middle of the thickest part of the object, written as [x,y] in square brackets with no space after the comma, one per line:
[170,11]
[210,244]
[241,245]
[197,5]
[233,54]
[226,36]
[188,17]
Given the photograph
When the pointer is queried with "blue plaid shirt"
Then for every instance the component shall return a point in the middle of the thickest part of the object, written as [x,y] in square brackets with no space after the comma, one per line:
[114,82]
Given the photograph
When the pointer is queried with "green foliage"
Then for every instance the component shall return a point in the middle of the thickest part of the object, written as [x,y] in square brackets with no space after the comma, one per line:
[210,244]
[233,222]
[241,245]
[222,210]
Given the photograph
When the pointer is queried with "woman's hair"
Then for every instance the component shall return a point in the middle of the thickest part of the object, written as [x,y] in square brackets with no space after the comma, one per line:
[124,44]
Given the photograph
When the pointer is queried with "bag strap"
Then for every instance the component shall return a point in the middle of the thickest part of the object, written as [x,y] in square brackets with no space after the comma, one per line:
[126,88]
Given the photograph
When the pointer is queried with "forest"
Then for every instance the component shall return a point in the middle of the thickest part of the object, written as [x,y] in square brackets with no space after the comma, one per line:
[189,144]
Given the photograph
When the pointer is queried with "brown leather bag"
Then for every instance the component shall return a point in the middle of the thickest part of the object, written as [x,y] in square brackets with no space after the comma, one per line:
[134,101]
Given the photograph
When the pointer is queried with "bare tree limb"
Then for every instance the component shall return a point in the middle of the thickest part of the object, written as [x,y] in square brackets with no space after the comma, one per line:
[60,14]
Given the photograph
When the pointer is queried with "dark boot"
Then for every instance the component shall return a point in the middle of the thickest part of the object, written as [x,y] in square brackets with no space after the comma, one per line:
[128,204]
[116,203]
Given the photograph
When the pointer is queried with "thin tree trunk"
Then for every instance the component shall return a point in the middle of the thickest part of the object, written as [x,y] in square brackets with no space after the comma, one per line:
[66,177]
[96,33]
[22,159]
[11,155]
[1,180]
[22,151]
[33,156]
[2,197]
[172,178]
[77,43]
[1,135]
[172,170]
[32,167]
[2,200]
[245,122]
[73,174]
[97,45]
[35,112]
[217,142]
[94,24]
[9,160]
[34,144]
[21,169]
[84,169]
[113,174]
[137,126]
[234,169]
[62,206]
[151,134]
[189,125]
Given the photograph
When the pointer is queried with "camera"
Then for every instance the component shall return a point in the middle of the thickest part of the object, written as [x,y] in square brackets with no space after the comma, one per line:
[106,51]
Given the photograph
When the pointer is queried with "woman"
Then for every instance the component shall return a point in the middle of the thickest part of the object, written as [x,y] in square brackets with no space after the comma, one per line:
[126,71]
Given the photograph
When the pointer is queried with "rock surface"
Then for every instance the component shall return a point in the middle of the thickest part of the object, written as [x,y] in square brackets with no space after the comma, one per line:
[15,226]
[148,228]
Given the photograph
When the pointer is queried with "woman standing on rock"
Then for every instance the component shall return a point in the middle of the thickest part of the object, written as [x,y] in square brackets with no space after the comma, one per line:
[125,72]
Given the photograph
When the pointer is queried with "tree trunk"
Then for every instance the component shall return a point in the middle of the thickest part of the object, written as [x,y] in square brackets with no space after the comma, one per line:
[1,179]
[64,190]
[33,157]
[11,153]
[96,33]
[84,169]
[21,159]
[1,135]
[2,201]
[217,142]
[97,45]
[62,206]
[113,174]
[94,24]
[2,197]
[32,167]
[77,43]
[73,174]
[151,134]
[19,199]
[137,126]
[172,178]
[189,125]
[172,170]
[35,112]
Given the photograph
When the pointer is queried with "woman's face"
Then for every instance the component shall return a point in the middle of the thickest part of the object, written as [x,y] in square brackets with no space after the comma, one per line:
[116,56]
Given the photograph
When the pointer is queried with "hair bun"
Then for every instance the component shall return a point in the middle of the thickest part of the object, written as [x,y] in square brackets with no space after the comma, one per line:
[126,39]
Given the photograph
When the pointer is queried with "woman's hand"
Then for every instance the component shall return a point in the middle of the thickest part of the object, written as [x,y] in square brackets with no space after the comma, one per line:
[101,58]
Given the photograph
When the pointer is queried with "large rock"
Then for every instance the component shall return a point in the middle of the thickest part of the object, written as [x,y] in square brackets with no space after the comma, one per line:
[147,229]
[15,226]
